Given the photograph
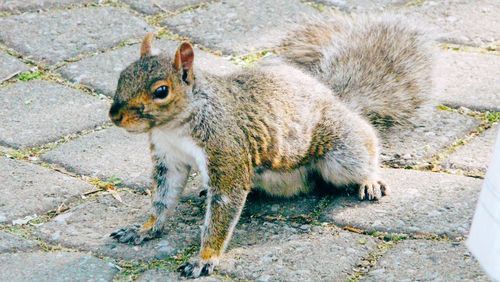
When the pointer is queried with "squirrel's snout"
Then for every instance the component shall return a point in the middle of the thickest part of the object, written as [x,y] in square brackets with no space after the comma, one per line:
[114,114]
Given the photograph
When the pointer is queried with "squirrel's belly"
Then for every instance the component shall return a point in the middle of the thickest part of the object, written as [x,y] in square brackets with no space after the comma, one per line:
[284,184]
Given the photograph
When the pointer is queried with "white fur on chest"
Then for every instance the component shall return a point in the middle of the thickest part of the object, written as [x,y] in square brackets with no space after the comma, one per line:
[176,146]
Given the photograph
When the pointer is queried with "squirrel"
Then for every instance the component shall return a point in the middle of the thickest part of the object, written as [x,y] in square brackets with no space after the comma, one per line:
[379,66]
[269,126]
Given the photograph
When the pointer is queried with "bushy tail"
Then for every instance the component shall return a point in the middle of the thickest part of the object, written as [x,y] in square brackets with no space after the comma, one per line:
[378,66]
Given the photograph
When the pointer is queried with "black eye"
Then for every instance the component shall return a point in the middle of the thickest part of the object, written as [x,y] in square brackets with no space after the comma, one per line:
[161,92]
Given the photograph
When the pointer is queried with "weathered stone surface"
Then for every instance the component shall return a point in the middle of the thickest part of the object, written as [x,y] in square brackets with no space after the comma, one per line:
[431,131]
[87,227]
[12,243]
[153,7]
[108,153]
[38,112]
[475,156]
[159,275]
[365,5]
[27,189]
[468,79]
[462,21]
[10,67]
[420,202]
[58,266]
[102,71]
[36,5]
[427,261]
[50,37]
[324,255]
[240,26]
[259,205]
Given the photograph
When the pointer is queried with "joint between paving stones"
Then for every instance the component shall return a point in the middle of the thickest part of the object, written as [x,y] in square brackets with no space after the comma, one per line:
[72,6]
[488,119]
[489,49]
[130,270]
[368,262]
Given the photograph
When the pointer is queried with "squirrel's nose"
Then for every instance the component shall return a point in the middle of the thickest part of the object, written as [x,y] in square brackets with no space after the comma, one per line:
[115,114]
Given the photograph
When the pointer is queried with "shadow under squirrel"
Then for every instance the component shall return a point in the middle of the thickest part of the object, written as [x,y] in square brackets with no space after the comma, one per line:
[273,125]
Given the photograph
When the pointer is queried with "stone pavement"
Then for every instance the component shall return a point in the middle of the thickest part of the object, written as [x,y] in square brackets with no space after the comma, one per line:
[68,178]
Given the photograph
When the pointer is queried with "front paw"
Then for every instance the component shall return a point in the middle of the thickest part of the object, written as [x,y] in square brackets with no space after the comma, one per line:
[133,235]
[373,190]
[197,268]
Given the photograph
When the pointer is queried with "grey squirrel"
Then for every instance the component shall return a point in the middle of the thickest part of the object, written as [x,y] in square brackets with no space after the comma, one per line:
[271,126]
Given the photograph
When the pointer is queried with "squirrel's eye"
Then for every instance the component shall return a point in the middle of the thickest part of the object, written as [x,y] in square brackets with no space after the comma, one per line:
[161,92]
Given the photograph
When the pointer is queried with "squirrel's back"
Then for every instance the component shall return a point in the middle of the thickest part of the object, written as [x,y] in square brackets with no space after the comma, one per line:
[379,67]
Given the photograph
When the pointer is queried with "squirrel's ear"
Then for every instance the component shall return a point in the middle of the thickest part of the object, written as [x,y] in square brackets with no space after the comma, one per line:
[147,44]
[184,57]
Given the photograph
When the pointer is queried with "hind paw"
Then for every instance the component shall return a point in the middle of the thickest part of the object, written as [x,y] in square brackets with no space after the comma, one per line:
[373,190]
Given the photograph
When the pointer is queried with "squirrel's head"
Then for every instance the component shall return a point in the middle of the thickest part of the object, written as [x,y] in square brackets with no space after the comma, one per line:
[154,89]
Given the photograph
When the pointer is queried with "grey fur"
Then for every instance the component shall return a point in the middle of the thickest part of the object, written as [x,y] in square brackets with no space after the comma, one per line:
[378,65]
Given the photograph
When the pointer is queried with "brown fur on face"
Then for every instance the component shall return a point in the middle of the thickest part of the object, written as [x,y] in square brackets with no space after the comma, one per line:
[135,106]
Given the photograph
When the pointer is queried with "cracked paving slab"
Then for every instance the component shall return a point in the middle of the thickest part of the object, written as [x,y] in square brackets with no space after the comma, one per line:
[28,189]
[37,112]
[54,36]
[419,203]
[413,260]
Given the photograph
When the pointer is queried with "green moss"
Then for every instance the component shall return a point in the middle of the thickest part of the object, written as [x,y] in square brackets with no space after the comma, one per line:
[132,270]
[444,108]
[28,75]
[492,117]
[252,58]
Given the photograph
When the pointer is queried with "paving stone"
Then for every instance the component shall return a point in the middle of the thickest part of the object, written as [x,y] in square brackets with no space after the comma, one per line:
[57,266]
[50,37]
[426,261]
[326,255]
[11,243]
[153,7]
[160,275]
[475,156]
[27,189]
[420,203]
[10,67]
[468,79]
[38,112]
[431,131]
[364,5]
[105,154]
[272,208]
[102,71]
[458,21]
[87,227]
[36,5]
[240,26]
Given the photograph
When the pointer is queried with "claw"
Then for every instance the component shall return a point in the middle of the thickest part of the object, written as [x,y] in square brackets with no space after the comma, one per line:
[373,190]
[197,268]
[132,235]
